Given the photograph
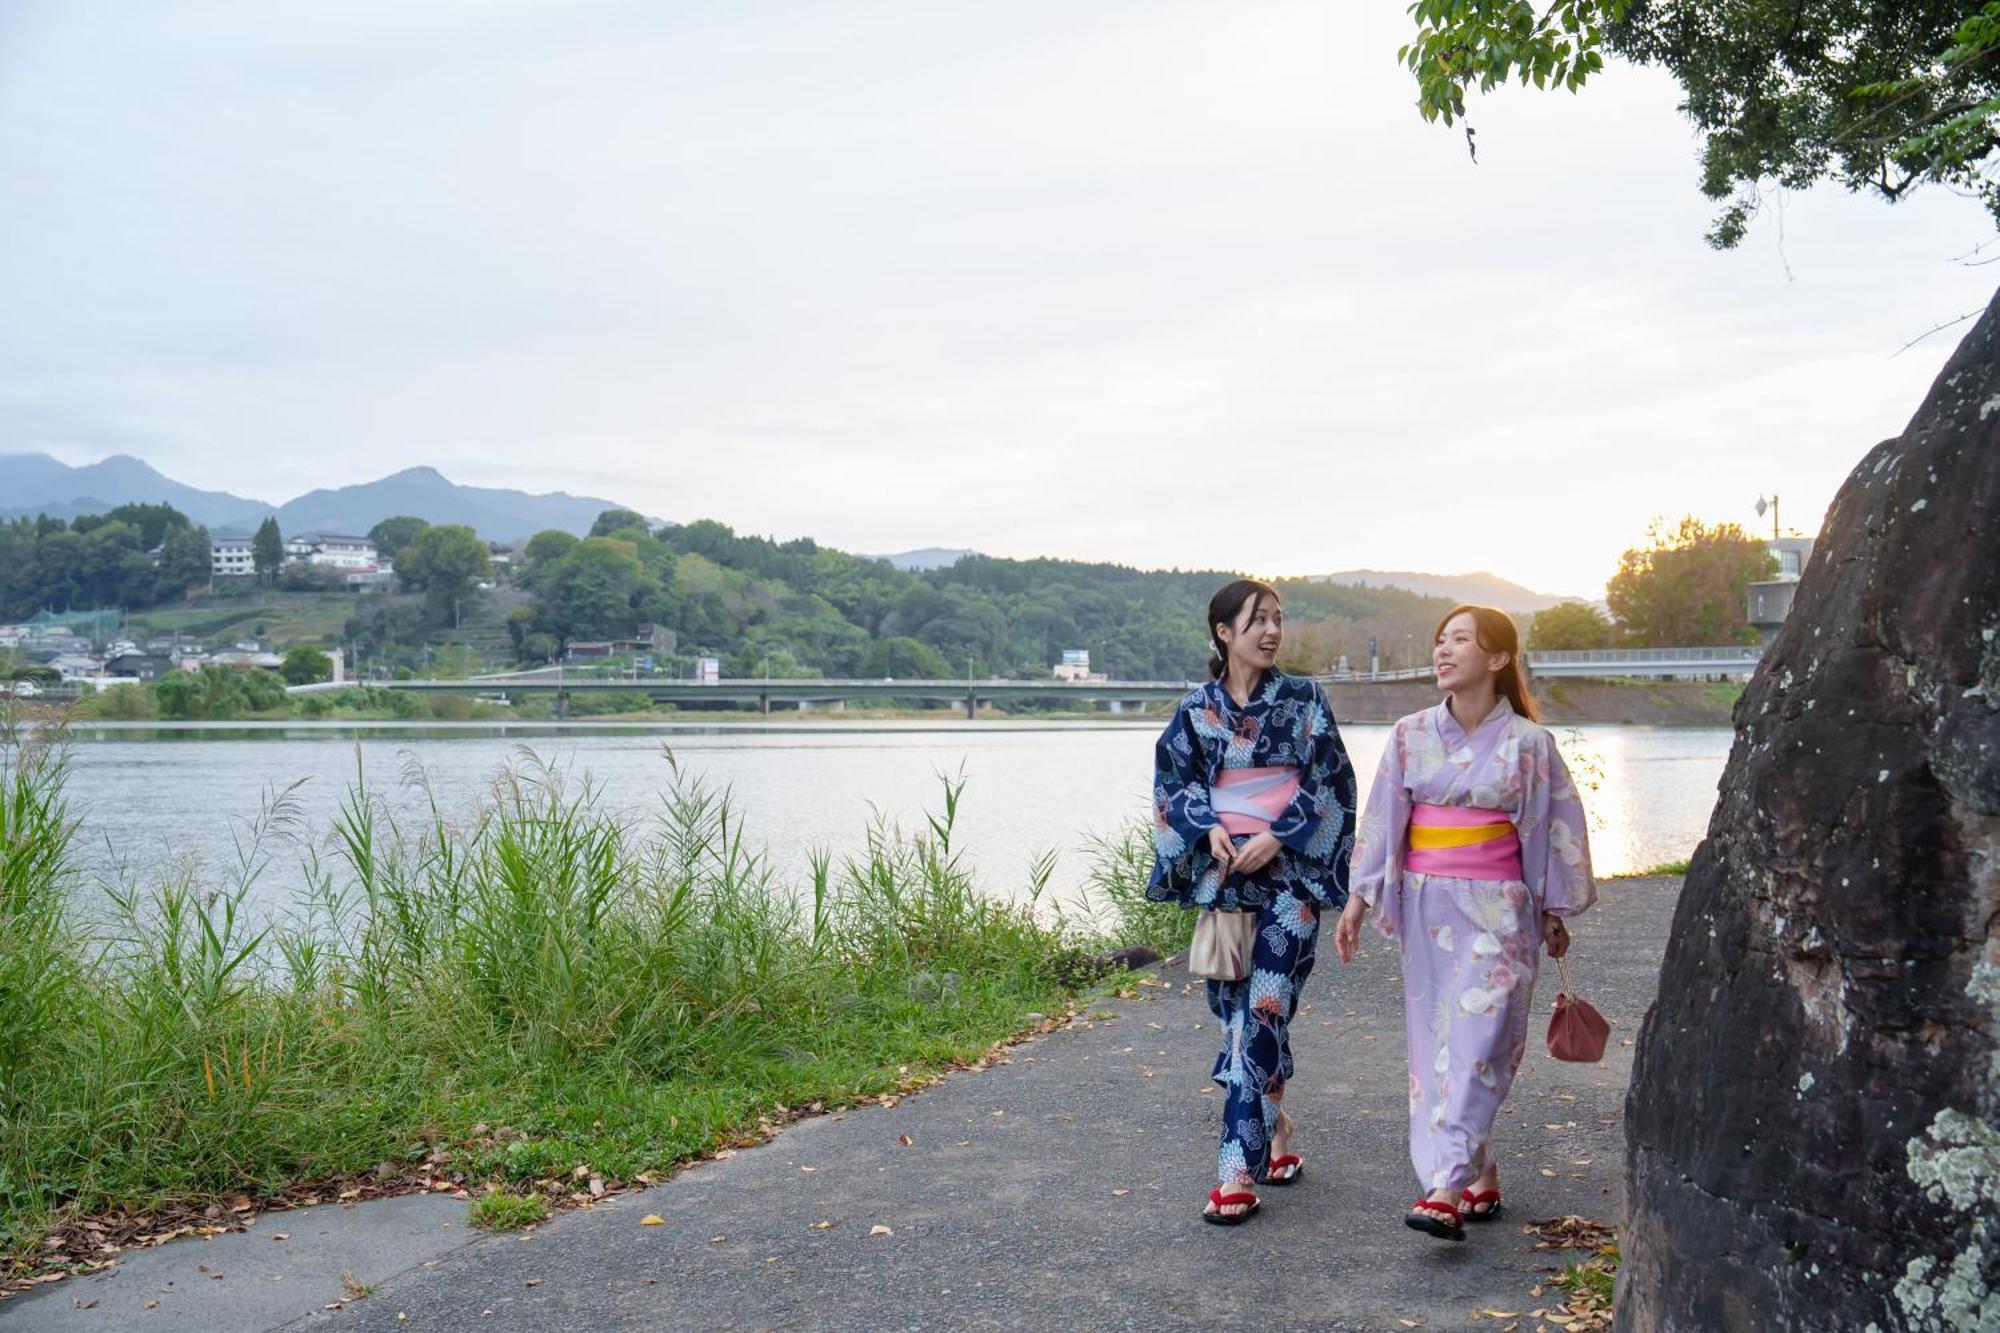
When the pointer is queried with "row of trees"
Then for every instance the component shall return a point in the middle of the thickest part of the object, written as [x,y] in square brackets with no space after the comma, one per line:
[100,560]
[1687,585]
[799,608]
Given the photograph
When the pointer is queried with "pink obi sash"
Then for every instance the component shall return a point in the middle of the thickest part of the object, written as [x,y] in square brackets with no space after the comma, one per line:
[1248,801]
[1463,842]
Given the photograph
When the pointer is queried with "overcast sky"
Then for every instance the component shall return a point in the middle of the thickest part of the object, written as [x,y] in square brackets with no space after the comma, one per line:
[1161,283]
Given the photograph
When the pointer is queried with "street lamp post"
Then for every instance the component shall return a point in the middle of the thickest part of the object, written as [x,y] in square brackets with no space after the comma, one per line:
[1772,505]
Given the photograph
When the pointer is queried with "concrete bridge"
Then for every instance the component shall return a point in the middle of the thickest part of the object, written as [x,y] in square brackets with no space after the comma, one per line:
[1735,661]
[564,684]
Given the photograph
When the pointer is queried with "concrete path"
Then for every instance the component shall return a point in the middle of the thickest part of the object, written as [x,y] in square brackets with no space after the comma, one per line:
[1057,1191]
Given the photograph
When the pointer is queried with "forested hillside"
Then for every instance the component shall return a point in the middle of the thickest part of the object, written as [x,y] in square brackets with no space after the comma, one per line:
[799,608]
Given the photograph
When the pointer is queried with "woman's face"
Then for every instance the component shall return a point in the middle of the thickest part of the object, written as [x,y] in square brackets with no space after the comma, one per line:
[1258,633]
[1458,659]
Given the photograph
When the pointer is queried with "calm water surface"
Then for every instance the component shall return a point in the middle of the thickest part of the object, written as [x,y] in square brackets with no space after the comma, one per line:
[154,800]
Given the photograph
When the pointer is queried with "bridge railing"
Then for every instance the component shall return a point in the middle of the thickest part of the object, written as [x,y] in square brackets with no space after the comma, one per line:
[1732,652]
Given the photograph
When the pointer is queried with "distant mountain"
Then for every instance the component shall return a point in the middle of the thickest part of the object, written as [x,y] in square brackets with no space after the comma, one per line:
[930,557]
[33,484]
[495,514]
[1482,588]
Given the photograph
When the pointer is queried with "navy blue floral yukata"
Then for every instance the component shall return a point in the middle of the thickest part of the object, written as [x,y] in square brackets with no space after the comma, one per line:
[1285,724]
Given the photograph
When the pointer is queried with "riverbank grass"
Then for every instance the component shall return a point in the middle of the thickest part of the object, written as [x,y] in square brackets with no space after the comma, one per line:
[542,997]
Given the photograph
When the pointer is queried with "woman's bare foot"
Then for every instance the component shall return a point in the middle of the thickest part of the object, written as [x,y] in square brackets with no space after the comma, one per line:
[1487,1182]
[1237,1207]
[1281,1146]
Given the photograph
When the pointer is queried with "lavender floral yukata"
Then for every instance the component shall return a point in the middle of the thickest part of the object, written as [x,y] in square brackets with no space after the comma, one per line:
[1470,946]
[1285,731]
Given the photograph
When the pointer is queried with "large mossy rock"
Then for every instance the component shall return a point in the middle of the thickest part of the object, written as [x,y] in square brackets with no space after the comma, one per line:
[1812,1120]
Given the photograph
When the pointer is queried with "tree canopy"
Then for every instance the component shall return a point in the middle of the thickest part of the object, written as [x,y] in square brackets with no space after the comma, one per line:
[1687,586]
[1568,627]
[1881,96]
[392,535]
[448,562]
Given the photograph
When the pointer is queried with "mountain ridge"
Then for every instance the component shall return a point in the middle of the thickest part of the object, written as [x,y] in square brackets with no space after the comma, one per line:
[1481,587]
[36,483]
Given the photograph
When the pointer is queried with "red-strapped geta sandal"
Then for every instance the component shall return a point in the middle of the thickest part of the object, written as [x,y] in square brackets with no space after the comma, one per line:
[1470,1200]
[1435,1219]
[1230,1200]
[1284,1170]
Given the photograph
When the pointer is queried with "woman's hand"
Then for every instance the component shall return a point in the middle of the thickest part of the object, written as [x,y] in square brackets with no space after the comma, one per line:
[1221,848]
[1347,934]
[1555,935]
[1255,854]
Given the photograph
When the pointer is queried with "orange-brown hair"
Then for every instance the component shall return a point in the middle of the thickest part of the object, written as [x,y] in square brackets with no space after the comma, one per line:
[1494,631]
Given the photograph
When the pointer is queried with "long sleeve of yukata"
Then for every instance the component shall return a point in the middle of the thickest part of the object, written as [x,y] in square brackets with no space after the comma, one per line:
[1181,813]
[1377,876]
[1555,837]
[1319,822]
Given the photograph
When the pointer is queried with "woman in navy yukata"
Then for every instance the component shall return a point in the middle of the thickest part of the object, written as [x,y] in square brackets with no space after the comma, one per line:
[1253,809]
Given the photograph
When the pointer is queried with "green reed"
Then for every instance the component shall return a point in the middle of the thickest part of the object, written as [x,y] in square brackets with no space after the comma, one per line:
[618,991]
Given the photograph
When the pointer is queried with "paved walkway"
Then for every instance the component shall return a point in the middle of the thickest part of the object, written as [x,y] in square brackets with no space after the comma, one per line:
[1056,1191]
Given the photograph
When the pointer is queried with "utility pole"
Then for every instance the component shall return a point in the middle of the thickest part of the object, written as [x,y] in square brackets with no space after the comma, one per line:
[1773,506]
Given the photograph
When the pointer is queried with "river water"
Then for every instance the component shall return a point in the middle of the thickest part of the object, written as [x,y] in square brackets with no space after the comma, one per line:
[155,800]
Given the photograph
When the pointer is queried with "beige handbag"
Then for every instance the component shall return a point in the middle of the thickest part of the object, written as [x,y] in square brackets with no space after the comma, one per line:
[1222,945]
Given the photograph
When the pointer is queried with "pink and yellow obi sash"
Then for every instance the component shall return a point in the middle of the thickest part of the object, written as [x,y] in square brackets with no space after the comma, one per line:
[1463,842]
[1248,801]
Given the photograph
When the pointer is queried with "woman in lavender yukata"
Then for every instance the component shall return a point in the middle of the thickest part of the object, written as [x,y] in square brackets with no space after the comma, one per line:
[1471,852]
[1253,805]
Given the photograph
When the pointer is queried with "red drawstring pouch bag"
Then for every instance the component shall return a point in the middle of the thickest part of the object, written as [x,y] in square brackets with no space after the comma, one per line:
[1577,1032]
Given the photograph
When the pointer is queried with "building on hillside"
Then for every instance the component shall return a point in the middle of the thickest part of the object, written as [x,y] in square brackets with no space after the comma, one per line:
[247,657]
[370,578]
[1770,600]
[331,550]
[75,666]
[231,558]
[657,639]
[138,666]
[588,650]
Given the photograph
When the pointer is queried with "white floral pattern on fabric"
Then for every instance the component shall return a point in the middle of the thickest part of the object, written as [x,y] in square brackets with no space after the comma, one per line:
[1256,1058]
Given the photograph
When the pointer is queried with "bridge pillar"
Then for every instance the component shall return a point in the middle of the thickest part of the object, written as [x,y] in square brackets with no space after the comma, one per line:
[562,703]
[971,708]
[764,704]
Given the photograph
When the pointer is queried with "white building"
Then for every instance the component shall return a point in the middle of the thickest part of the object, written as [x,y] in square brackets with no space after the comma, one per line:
[332,550]
[1075,667]
[229,558]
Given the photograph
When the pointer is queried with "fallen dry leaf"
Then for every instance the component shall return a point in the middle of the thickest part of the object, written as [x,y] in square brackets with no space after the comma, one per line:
[717,1240]
[281,1235]
[652,1220]
[879,1230]
[906,1140]
[532,1282]
[821,1226]
[1119,1194]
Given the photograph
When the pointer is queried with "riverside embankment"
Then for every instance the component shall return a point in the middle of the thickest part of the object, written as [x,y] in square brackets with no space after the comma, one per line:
[1565,703]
